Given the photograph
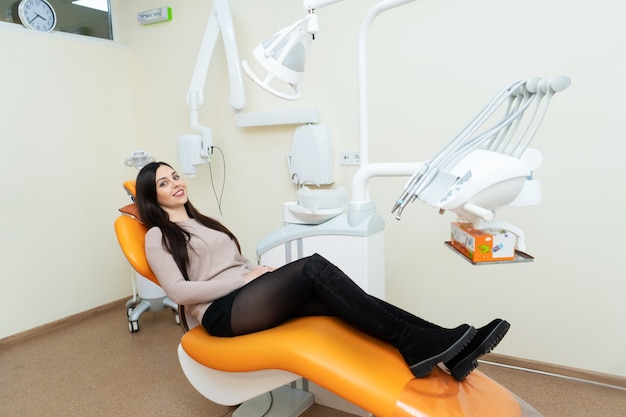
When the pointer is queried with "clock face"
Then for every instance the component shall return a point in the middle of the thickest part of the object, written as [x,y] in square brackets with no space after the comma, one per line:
[37,14]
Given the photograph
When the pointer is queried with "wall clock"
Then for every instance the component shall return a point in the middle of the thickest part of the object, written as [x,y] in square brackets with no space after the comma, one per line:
[38,15]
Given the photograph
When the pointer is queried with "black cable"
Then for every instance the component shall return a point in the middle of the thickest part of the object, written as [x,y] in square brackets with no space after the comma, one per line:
[219,199]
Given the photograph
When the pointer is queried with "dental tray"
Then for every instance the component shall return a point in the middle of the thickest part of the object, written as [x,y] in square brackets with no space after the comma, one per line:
[519,257]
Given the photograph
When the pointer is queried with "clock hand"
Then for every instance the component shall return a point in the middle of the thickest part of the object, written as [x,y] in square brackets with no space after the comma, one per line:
[38,16]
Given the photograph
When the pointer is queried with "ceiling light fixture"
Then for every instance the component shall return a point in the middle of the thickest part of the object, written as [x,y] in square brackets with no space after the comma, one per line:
[102,5]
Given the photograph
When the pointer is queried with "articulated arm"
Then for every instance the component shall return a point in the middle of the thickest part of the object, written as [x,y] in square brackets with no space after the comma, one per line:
[196,149]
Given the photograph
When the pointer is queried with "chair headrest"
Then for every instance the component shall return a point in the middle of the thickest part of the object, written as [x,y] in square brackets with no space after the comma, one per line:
[130,187]
[132,211]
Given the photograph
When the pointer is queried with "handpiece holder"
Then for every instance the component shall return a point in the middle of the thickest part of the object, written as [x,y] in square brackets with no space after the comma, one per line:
[479,171]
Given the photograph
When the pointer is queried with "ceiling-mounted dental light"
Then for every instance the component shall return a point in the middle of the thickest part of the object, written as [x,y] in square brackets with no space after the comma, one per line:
[283,55]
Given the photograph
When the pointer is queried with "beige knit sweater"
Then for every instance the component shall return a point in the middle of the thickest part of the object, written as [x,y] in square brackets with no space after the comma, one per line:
[216,267]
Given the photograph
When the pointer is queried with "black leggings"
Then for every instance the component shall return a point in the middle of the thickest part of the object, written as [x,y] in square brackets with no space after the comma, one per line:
[286,293]
[313,286]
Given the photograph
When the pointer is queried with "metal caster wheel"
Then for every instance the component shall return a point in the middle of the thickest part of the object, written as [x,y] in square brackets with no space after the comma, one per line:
[133,326]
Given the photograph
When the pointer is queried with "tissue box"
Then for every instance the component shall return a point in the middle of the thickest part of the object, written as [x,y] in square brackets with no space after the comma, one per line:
[483,245]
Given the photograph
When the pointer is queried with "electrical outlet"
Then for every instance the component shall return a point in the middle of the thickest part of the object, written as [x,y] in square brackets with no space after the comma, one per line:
[349,158]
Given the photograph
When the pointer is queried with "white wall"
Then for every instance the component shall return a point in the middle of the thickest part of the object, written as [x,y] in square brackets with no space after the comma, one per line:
[432,65]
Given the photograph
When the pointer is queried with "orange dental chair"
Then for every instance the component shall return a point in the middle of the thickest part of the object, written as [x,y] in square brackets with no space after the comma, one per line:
[148,296]
[324,350]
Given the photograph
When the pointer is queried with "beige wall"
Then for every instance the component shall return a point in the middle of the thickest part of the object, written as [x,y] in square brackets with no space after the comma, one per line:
[432,65]
[67,124]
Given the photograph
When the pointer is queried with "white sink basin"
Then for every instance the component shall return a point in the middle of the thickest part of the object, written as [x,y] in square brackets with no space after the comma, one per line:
[296,213]
[322,199]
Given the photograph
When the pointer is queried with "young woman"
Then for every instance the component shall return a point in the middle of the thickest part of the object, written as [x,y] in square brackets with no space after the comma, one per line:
[199,264]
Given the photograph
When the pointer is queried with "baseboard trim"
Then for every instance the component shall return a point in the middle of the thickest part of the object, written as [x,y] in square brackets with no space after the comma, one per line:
[491,358]
[52,326]
[592,377]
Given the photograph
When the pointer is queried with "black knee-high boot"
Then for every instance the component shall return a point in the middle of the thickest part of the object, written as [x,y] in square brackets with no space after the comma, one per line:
[422,348]
[460,366]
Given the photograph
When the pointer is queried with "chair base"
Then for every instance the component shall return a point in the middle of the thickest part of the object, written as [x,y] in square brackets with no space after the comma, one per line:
[135,307]
[285,401]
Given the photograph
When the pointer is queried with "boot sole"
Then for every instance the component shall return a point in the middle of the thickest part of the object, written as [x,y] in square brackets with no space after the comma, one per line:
[470,362]
[423,368]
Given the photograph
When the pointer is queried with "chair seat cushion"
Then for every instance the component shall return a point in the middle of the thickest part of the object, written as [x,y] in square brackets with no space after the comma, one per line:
[355,366]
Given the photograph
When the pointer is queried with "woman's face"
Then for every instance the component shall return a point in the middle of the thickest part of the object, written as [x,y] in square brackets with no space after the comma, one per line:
[171,189]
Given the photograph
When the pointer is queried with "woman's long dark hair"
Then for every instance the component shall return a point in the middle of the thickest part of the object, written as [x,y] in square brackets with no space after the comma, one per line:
[175,239]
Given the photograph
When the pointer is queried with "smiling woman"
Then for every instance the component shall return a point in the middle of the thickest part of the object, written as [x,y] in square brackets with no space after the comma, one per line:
[88,18]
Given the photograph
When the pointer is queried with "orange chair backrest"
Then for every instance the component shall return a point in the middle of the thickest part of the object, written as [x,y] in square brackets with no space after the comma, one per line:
[131,235]
[130,187]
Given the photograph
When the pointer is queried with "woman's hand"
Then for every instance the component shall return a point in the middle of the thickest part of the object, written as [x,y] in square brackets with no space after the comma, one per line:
[257,272]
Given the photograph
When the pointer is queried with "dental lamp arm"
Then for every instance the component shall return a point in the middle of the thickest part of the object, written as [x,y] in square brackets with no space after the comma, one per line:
[220,20]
